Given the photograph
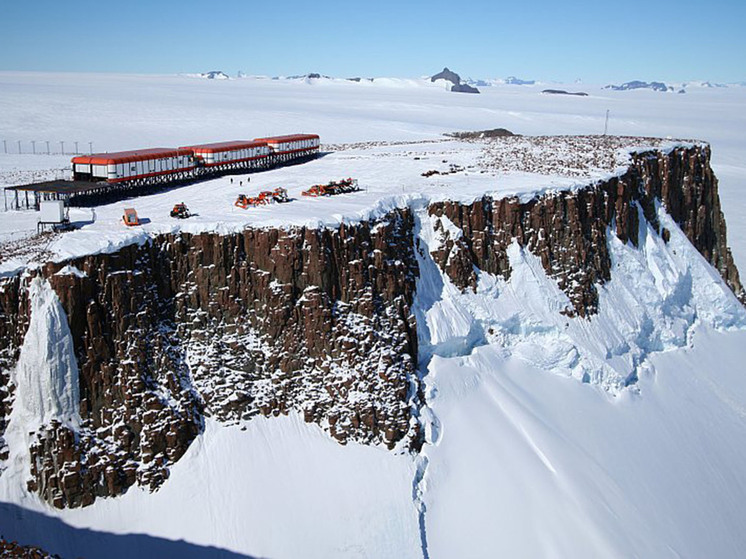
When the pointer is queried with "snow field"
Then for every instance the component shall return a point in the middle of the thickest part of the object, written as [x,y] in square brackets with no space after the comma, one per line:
[535,465]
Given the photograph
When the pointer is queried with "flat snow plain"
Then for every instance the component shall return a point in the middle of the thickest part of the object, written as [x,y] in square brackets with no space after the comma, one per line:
[527,458]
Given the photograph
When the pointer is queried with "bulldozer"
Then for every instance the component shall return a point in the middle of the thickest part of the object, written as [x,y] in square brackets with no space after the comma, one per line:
[180,211]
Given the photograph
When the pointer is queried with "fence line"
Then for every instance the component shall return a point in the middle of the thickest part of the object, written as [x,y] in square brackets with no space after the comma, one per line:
[45,147]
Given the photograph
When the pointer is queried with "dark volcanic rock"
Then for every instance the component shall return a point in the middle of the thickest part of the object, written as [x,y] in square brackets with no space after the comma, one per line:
[464,88]
[567,230]
[14,550]
[14,321]
[447,75]
[455,79]
[268,321]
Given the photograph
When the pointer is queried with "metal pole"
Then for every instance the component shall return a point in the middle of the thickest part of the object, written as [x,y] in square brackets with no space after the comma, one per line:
[90,147]
[62,147]
[5,146]
[76,148]
[33,146]
[47,147]
[19,146]
[606,124]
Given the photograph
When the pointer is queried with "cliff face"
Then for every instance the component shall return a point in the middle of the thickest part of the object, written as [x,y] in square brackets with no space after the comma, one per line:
[568,230]
[317,321]
[14,321]
[265,322]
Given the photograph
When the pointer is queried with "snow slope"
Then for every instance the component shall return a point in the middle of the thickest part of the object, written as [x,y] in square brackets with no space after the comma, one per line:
[534,465]
[273,488]
[639,458]
[620,436]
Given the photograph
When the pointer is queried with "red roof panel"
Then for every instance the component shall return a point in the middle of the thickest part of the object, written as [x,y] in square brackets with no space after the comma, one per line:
[287,138]
[129,156]
[225,146]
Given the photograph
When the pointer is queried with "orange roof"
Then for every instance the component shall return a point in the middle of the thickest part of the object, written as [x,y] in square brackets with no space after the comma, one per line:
[129,156]
[288,138]
[225,146]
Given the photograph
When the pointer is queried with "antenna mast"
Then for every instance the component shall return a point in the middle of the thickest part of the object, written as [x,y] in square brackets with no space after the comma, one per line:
[606,124]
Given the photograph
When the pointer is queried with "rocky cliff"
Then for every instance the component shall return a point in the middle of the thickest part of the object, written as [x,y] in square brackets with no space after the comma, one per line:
[317,321]
[568,230]
[265,322]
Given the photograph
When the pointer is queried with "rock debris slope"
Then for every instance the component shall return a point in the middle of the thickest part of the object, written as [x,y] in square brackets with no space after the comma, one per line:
[319,321]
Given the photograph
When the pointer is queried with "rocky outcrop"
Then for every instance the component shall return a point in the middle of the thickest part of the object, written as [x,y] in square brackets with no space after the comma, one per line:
[14,322]
[266,322]
[14,550]
[568,230]
[455,80]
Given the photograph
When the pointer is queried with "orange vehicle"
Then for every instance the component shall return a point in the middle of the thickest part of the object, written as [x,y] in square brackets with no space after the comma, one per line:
[333,187]
[181,211]
[265,197]
[130,217]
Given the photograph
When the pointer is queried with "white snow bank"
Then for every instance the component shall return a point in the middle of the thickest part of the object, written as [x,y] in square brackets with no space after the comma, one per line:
[530,465]
[274,488]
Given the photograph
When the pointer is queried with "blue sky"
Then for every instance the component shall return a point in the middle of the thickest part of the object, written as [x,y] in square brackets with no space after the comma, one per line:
[596,41]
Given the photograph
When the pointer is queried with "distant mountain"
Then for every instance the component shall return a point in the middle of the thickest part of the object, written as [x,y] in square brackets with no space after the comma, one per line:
[512,80]
[705,84]
[637,84]
[215,75]
[455,80]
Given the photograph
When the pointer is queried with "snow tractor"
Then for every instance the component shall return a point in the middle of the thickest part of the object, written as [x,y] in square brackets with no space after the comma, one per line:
[331,188]
[180,211]
[278,195]
[130,218]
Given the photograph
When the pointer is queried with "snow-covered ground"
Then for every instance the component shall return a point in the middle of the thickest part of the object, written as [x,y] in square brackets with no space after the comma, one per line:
[389,175]
[530,454]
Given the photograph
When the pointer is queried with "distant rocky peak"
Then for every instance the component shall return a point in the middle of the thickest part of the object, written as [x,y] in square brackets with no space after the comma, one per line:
[637,84]
[215,75]
[447,75]
[455,79]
